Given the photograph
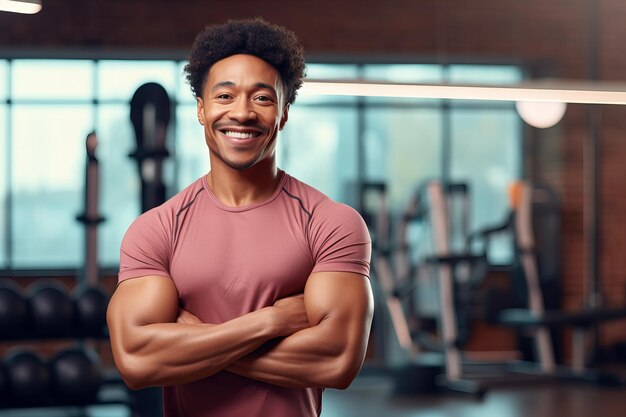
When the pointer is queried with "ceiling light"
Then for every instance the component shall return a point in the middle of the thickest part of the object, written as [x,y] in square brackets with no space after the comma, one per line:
[20,6]
[541,114]
[541,91]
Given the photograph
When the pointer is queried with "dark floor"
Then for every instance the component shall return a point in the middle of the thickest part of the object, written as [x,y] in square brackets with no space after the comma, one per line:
[372,397]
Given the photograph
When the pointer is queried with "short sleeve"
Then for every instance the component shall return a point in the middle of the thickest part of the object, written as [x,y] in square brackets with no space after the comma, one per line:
[340,240]
[145,247]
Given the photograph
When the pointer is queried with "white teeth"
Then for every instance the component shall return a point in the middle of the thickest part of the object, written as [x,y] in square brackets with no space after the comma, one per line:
[240,135]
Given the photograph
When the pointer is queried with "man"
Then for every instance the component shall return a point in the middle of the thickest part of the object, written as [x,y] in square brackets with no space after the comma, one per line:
[247,293]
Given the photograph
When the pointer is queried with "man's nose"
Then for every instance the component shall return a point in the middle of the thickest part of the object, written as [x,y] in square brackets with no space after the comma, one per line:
[242,110]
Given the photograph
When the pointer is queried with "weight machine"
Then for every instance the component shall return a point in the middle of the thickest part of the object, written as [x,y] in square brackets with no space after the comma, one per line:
[455,270]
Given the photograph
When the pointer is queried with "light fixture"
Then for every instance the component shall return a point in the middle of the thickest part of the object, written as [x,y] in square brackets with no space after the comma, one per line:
[541,114]
[20,6]
[582,92]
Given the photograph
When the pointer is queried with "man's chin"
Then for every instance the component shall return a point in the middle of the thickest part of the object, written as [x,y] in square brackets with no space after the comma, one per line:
[241,162]
[241,165]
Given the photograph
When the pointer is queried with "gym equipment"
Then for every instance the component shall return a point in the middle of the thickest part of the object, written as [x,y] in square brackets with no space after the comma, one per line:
[417,371]
[457,274]
[52,310]
[150,115]
[430,284]
[90,304]
[90,301]
[76,376]
[27,377]
[536,319]
[90,217]
[14,311]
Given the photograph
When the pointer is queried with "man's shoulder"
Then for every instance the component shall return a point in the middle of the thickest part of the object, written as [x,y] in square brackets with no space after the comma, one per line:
[303,191]
[165,213]
[181,199]
[311,199]
[318,203]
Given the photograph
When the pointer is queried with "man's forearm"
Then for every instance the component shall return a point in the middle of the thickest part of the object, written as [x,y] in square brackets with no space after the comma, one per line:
[154,344]
[177,353]
[313,357]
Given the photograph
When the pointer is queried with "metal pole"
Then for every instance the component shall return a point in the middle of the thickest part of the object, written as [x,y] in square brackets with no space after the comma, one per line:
[592,291]
[591,172]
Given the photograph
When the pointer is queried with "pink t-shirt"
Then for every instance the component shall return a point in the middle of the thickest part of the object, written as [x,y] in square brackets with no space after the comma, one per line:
[229,261]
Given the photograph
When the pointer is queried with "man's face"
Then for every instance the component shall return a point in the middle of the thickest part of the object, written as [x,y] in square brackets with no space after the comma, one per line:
[242,109]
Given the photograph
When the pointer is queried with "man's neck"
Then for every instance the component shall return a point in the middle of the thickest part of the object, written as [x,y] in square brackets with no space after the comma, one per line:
[237,188]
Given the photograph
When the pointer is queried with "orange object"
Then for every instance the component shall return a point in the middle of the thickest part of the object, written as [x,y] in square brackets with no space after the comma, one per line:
[515,194]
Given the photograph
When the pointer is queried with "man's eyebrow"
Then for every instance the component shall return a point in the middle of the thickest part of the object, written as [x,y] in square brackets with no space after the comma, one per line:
[223,84]
[264,86]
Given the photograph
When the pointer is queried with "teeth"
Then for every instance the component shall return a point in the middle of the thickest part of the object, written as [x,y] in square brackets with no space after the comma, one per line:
[240,135]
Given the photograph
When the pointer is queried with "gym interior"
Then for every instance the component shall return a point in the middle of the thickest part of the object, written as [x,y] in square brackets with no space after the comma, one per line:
[494,204]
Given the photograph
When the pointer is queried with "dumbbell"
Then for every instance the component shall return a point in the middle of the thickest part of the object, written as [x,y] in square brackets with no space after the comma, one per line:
[27,378]
[76,376]
[90,306]
[52,310]
[14,311]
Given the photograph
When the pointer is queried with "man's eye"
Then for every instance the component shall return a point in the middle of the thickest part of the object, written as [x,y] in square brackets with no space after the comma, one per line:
[264,98]
[224,96]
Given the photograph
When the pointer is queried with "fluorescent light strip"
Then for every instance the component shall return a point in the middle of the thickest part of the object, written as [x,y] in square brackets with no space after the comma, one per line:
[20,6]
[564,92]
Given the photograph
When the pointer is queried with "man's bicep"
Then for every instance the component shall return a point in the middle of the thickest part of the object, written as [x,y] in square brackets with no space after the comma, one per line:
[143,300]
[338,296]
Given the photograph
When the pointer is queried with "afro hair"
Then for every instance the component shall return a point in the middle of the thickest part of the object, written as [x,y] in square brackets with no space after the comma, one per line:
[274,44]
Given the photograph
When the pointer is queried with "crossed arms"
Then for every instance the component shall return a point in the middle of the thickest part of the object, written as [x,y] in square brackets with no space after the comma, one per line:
[316,340]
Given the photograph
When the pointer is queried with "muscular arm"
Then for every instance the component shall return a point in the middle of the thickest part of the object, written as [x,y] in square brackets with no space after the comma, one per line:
[150,348]
[330,353]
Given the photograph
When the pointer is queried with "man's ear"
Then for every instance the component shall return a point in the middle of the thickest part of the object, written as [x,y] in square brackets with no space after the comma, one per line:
[200,109]
[284,117]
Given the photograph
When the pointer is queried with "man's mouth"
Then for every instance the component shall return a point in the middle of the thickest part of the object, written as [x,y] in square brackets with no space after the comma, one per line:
[241,135]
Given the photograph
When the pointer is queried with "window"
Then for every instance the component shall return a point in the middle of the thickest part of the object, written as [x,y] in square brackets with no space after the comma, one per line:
[50,108]
[47,107]
[54,80]
[4,162]
[46,182]
[319,146]
[404,142]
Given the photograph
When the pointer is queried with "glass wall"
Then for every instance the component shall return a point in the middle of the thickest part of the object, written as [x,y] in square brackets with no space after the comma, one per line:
[320,148]
[47,107]
[5,166]
[403,149]
[46,182]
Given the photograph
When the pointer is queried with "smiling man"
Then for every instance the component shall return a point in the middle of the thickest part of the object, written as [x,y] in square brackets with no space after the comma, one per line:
[246,293]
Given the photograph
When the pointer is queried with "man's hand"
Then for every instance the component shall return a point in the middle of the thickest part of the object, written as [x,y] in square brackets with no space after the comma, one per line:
[291,314]
[186,317]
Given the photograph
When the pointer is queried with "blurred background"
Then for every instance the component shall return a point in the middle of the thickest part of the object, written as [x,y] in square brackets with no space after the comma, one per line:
[75,67]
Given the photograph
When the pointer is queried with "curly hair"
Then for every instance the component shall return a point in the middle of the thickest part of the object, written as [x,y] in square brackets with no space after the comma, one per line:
[276,45]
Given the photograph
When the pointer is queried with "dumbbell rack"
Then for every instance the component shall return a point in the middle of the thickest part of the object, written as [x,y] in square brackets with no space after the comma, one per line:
[112,390]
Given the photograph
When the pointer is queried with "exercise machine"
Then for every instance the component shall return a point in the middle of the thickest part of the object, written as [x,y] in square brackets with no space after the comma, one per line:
[456,270]
[539,321]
